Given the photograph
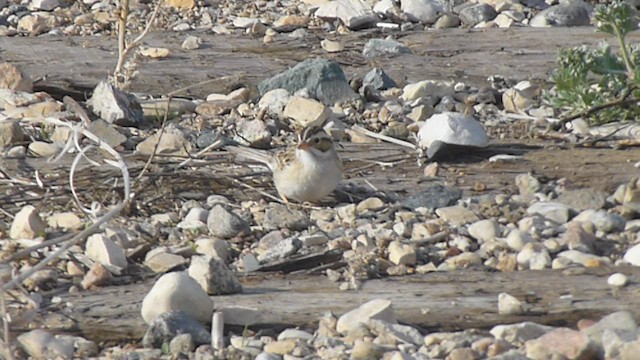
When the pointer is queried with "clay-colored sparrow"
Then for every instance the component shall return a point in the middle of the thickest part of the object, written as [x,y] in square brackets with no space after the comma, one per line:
[307,172]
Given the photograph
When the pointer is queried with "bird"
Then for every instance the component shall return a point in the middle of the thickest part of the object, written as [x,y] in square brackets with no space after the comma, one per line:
[306,172]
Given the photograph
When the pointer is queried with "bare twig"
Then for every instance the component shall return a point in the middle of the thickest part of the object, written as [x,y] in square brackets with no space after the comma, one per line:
[389,139]
[621,100]
[123,48]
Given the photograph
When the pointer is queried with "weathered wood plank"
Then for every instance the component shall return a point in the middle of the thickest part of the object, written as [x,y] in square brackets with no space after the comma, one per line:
[436,301]
[78,63]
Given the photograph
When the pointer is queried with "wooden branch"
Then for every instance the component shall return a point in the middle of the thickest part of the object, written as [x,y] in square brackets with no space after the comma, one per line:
[443,301]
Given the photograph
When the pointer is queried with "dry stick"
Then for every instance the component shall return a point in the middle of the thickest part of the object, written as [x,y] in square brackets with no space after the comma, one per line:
[384,137]
[123,48]
[622,100]
[76,239]
[5,325]
[25,252]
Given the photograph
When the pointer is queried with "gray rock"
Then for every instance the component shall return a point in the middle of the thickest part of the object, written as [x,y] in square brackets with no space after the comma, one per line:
[551,210]
[620,320]
[617,342]
[182,343]
[561,343]
[40,344]
[425,11]
[323,79]
[475,14]
[106,132]
[527,184]
[115,106]
[10,133]
[279,216]
[168,325]
[214,276]
[225,224]
[608,222]
[378,79]
[384,47]
[583,199]
[281,250]
[433,197]
[253,133]
[567,13]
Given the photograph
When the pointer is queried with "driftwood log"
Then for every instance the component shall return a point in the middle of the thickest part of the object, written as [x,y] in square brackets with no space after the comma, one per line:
[435,301]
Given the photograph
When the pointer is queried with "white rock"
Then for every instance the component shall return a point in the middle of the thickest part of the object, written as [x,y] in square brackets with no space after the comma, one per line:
[45,5]
[534,256]
[177,291]
[452,128]
[632,256]
[427,88]
[27,224]
[426,11]
[617,279]
[517,239]
[104,250]
[402,254]
[296,334]
[275,100]
[306,112]
[40,344]
[354,14]
[484,230]
[551,210]
[509,305]
[578,257]
[520,332]
[374,309]
[403,334]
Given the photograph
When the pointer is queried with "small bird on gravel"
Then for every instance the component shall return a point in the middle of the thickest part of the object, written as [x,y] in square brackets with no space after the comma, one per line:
[308,171]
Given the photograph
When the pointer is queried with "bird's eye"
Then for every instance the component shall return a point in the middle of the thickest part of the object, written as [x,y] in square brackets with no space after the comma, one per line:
[316,140]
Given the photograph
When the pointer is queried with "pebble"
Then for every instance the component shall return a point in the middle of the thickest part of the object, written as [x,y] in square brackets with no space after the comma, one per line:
[563,343]
[617,279]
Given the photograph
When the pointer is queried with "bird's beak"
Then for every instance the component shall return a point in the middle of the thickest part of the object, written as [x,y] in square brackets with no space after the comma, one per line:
[304,146]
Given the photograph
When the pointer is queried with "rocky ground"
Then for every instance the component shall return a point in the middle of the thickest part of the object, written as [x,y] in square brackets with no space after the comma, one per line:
[436,180]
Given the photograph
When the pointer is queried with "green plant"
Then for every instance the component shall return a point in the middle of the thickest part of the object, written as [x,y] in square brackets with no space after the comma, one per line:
[598,84]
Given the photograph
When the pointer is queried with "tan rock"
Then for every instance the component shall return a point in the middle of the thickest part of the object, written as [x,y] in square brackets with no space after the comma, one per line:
[12,78]
[306,112]
[27,224]
[180,4]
